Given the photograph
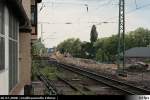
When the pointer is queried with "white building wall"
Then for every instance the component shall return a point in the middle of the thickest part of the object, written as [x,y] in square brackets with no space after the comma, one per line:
[4,75]
[4,82]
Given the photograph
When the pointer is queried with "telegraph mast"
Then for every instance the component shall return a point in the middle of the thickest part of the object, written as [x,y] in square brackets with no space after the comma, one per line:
[121,35]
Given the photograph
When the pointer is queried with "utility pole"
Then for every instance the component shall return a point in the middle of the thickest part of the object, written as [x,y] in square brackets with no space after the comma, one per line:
[42,23]
[41,32]
[121,34]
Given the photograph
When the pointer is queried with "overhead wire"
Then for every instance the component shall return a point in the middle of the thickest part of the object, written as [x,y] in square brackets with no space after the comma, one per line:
[131,11]
[108,19]
[135,3]
[137,8]
[103,5]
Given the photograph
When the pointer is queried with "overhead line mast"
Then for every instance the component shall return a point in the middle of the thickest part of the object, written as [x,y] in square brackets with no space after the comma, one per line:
[121,34]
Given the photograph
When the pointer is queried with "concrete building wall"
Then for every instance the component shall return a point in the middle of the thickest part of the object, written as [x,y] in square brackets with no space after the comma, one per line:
[25,60]
[24,55]
[27,7]
[25,48]
[33,37]
[24,63]
[33,29]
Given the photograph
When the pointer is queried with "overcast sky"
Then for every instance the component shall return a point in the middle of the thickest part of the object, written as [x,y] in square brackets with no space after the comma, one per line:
[64,19]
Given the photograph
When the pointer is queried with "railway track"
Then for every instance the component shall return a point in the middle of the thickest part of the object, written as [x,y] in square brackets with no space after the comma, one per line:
[71,85]
[119,85]
[53,88]
[49,84]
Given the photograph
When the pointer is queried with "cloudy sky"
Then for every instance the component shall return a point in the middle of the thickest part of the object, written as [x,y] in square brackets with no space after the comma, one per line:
[62,19]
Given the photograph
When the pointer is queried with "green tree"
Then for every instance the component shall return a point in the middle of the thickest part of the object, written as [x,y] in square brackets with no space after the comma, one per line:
[76,48]
[72,46]
[38,48]
[108,46]
[100,55]
[93,39]
[104,49]
[86,50]
[94,34]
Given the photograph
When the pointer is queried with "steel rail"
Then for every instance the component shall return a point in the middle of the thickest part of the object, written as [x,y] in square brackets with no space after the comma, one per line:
[50,85]
[127,88]
[72,86]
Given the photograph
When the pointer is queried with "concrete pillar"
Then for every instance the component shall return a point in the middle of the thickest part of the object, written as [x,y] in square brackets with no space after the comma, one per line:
[25,58]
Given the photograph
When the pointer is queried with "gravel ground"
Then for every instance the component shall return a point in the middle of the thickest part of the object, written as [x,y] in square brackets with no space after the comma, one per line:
[86,85]
[136,78]
[38,88]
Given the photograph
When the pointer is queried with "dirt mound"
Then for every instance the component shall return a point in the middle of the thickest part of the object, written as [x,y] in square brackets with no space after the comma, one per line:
[138,67]
[87,61]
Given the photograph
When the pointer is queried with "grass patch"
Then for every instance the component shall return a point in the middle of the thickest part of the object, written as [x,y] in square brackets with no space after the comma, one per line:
[43,66]
[50,72]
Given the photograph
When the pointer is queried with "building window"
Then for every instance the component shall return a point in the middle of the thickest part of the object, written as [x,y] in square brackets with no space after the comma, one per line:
[33,15]
[2,40]
[2,53]
[13,51]
[1,15]
[33,2]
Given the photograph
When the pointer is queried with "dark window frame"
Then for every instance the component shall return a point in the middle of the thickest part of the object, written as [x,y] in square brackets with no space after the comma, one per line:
[13,50]
[34,15]
[2,38]
[2,53]
[2,18]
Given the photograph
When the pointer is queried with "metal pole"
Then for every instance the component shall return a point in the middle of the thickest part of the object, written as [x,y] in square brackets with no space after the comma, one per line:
[121,34]
[118,57]
[41,32]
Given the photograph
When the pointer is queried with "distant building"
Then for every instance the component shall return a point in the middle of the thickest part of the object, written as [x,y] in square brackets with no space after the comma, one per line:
[137,54]
[15,45]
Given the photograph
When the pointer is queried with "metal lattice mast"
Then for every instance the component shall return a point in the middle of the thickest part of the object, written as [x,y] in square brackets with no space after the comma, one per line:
[121,34]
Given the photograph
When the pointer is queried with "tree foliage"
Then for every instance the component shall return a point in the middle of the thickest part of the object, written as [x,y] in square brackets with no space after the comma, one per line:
[137,38]
[105,49]
[94,34]
[86,50]
[72,46]
[38,48]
